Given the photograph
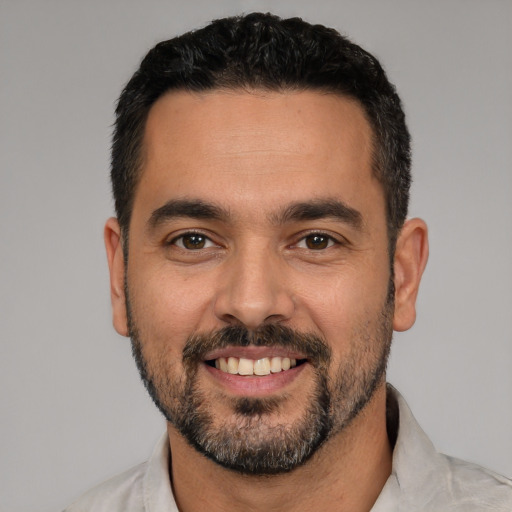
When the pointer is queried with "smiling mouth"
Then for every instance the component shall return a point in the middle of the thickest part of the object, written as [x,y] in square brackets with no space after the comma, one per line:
[250,367]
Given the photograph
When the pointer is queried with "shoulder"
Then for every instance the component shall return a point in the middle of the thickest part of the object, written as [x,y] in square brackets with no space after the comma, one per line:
[425,480]
[146,486]
[120,493]
[473,487]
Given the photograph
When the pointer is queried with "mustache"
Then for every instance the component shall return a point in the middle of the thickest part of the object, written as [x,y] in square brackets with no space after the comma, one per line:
[314,348]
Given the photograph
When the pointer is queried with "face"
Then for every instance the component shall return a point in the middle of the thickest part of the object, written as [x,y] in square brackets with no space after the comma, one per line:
[257,278]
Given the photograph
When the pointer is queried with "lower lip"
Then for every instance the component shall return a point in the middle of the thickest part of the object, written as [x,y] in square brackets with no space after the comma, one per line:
[255,385]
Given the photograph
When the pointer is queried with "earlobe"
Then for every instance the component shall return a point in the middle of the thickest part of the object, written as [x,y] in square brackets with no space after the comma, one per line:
[116,265]
[411,257]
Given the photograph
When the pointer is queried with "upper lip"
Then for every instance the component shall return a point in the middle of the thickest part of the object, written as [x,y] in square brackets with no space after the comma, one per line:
[253,352]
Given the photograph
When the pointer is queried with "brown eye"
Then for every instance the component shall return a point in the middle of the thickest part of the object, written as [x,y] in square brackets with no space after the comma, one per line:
[318,242]
[192,241]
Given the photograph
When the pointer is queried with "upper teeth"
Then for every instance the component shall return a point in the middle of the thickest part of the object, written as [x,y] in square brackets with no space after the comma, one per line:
[264,366]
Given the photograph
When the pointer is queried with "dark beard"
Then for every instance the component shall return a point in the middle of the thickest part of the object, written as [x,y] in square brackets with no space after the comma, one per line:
[249,445]
[245,442]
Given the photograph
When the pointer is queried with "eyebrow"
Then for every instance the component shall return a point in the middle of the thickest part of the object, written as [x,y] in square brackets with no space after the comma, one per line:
[294,212]
[320,209]
[195,209]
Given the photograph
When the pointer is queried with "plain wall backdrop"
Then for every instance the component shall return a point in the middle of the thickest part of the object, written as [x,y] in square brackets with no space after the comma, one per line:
[73,411]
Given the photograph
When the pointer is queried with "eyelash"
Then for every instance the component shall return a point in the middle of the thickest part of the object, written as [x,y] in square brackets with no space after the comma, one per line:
[176,240]
[330,241]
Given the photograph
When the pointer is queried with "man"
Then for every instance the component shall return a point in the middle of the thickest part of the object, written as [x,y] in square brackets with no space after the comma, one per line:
[259,261]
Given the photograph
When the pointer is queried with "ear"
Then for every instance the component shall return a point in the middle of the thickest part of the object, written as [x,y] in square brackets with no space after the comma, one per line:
[114,246]
[411,257]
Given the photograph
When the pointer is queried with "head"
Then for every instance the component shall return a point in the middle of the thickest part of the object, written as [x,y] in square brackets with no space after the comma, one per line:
[262,51]
[261,175]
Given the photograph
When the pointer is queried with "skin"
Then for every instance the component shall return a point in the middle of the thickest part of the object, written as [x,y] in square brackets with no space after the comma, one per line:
[253,154]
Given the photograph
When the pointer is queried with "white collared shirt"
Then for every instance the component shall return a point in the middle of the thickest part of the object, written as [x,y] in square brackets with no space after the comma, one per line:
[421,480]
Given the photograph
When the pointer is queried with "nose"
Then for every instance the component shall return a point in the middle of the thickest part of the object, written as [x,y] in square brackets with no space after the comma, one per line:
[254,290]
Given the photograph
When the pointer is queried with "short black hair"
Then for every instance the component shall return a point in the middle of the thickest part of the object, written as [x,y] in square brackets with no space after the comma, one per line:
[263,51]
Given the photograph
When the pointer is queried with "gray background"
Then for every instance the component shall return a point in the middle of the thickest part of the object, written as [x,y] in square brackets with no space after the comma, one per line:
[72,409]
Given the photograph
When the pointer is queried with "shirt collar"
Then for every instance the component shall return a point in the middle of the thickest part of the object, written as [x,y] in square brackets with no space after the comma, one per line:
[157,489]
[418,469]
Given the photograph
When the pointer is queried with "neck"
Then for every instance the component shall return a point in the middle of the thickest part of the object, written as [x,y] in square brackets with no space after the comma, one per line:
[346,473]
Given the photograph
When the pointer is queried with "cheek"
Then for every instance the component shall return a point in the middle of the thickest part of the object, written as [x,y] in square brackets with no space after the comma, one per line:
[167,308]
[340,304]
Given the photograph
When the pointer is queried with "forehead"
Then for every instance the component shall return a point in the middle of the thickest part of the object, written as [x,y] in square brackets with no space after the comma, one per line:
[232,147]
